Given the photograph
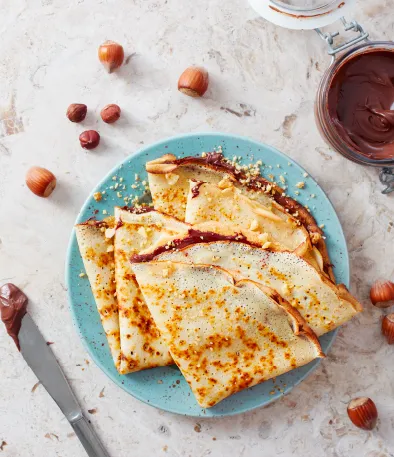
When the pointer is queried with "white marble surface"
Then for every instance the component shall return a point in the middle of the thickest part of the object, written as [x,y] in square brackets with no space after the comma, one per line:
[48,59]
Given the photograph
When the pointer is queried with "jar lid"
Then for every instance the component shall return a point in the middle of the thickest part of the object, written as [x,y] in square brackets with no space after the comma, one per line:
[302,14]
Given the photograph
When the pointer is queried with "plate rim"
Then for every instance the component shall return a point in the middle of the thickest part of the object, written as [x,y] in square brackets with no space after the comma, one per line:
[72,242]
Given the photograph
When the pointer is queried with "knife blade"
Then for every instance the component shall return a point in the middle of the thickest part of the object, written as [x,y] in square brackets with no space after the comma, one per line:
[42,361]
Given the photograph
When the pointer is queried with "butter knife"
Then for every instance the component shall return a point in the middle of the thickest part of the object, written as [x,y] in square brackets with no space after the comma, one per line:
[42,361]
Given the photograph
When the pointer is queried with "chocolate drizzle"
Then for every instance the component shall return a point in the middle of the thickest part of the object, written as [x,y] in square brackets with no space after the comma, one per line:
[193,237]
[138,210]
[13,305]
[196,188]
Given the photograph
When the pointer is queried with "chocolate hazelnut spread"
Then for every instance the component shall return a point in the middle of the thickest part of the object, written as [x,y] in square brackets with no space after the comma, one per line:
[196,188]
[13,304]
[193,237]
[361,103]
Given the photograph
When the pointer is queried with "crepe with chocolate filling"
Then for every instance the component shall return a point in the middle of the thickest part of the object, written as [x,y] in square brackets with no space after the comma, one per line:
[323,304]
[136,230]
[98,258]
[226,204]
[169,179]
[224,335]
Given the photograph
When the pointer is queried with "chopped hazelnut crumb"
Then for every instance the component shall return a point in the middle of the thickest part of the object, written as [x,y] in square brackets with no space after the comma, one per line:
[203,154]
[82,274]
[321,226]
[300,185]
[225,183]
[142,232]
[254,225]
[97,196]
[306,175]
[109,233]
[105,211]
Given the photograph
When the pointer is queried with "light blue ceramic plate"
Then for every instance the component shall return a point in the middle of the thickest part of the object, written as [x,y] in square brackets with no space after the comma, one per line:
[159,386]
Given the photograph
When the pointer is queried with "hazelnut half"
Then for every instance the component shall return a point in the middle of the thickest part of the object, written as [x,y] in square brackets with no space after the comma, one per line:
[111,55]
[77,112]
[193,82]
[363,413]
[388,328]
[40,181]
[382,293]
[110,113]
[89,139]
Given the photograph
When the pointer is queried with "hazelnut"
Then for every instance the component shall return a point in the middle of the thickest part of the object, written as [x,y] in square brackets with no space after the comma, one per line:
[89,139]
[40,181]
[77,112]
[110,113]
[111,55]
[388,328]
[382,293]
[193,82]
[363,413]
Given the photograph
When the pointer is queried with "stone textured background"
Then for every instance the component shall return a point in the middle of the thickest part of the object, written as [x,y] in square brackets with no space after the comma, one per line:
[263,83]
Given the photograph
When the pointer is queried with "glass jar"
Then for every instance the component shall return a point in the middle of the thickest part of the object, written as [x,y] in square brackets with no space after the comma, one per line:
[324,120]
[313,14]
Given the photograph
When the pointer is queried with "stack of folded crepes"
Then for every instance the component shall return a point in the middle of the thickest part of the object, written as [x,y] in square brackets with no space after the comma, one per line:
[225,276]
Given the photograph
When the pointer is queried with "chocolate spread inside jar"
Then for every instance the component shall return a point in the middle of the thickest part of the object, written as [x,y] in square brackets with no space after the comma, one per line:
[361,103]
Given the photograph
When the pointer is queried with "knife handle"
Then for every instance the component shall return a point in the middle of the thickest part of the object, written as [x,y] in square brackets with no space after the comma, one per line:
[88,438]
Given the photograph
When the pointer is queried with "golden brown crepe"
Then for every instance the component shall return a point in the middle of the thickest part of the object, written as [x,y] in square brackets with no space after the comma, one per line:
[323,305]
[227,205]
[224,335]
[169,181]
[138,229]
[98,257]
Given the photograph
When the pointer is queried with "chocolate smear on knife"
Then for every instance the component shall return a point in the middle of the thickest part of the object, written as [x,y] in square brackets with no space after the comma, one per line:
[13,305]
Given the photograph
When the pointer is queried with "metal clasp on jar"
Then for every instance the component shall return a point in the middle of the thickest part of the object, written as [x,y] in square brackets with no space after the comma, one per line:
[329,37]
[386,177]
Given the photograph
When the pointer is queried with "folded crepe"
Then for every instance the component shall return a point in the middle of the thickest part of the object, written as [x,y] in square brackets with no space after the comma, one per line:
[98,258]
[224,335]
[323,304]
[136,231]
[169,182]
[226,204]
